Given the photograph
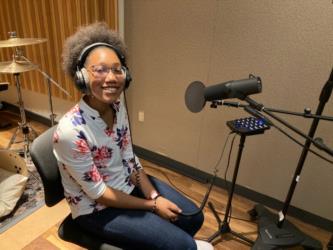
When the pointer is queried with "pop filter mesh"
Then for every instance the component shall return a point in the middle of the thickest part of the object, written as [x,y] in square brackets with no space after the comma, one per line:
[194,96]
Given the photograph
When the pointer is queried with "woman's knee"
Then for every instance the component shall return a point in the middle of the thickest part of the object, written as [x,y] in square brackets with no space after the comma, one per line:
[199,219]
[195,223]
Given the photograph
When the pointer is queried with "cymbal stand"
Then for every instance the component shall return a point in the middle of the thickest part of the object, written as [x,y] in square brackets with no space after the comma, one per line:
[23,126]
[49,80]
[52,114]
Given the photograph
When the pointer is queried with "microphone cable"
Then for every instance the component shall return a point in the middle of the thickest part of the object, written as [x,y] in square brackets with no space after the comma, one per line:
[135,167]
[205,199]
[225,176]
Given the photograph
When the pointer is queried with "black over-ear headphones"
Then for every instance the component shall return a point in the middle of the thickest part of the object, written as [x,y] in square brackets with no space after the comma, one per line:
[81,77]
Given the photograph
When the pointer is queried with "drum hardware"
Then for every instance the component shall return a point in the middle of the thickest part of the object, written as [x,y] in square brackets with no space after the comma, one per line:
[49,80]
[22,126]
[15,67]
[15,41]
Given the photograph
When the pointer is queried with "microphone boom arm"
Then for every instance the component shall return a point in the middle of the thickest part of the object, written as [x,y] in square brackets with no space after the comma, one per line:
[255,108]
[261,108]
[305,114]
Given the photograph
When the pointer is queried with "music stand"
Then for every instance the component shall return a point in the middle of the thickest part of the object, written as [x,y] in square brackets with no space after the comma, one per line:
[243,127]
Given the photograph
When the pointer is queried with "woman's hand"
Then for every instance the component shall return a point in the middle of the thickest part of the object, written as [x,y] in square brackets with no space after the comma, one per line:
[166,209]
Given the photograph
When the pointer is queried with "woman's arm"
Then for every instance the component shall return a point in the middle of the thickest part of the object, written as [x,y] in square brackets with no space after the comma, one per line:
[163,207]
[114,198]
[140,179]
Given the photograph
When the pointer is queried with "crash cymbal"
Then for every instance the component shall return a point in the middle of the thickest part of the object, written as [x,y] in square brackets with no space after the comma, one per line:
[16,41]
[13,67]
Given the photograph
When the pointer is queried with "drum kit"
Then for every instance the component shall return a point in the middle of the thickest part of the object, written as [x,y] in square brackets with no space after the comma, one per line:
[20,64]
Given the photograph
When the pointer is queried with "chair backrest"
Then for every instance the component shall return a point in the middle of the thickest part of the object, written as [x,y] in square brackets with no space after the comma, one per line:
[42,156]
[41,152]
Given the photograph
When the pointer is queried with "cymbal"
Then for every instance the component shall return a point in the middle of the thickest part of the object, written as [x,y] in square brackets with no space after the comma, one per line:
[15,42]
[13,67]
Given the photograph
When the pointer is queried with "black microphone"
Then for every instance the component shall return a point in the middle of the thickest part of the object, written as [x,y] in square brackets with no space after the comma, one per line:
[197,94]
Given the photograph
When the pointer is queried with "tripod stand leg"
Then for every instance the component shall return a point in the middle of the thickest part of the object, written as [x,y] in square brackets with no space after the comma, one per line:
[242,237]
[212,237]
[12,140]
[225,228]
[211,206]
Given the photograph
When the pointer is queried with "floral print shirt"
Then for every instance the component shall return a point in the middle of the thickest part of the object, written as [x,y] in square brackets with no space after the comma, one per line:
[92,156]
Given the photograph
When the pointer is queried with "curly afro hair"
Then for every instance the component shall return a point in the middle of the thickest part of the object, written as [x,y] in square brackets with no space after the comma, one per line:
[83,37]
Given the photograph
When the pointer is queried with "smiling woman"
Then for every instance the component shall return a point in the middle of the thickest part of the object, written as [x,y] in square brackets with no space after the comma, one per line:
[108,192]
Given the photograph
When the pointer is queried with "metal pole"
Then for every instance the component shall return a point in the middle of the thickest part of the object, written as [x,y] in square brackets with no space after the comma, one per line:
[23,124]
[52,115]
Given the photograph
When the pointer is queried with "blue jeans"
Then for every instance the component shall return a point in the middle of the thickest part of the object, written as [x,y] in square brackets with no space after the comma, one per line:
[140,229]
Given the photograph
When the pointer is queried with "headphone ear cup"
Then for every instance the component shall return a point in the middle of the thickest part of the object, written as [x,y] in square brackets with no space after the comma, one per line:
[82,81]
[128,78]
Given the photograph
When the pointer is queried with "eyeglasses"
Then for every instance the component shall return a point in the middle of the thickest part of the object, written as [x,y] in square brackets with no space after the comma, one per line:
[101,71]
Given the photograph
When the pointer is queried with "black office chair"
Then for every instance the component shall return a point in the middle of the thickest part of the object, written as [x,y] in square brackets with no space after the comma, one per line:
[42,156]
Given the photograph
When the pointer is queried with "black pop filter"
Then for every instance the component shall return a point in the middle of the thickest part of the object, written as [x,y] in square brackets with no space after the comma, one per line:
[195,96]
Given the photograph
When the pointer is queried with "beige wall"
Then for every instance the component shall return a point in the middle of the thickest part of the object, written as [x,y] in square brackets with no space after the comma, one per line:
[287,43]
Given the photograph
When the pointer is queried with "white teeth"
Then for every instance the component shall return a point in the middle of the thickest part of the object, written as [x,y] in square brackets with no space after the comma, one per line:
[110,90]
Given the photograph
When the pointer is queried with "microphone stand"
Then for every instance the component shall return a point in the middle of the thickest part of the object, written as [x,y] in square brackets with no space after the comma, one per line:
[277,232]
[272,234]
[274,231]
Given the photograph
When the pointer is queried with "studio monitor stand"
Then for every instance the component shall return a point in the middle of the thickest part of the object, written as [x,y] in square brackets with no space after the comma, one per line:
[243,127]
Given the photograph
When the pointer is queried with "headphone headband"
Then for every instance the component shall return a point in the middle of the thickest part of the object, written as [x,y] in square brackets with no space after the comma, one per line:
[85,52]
